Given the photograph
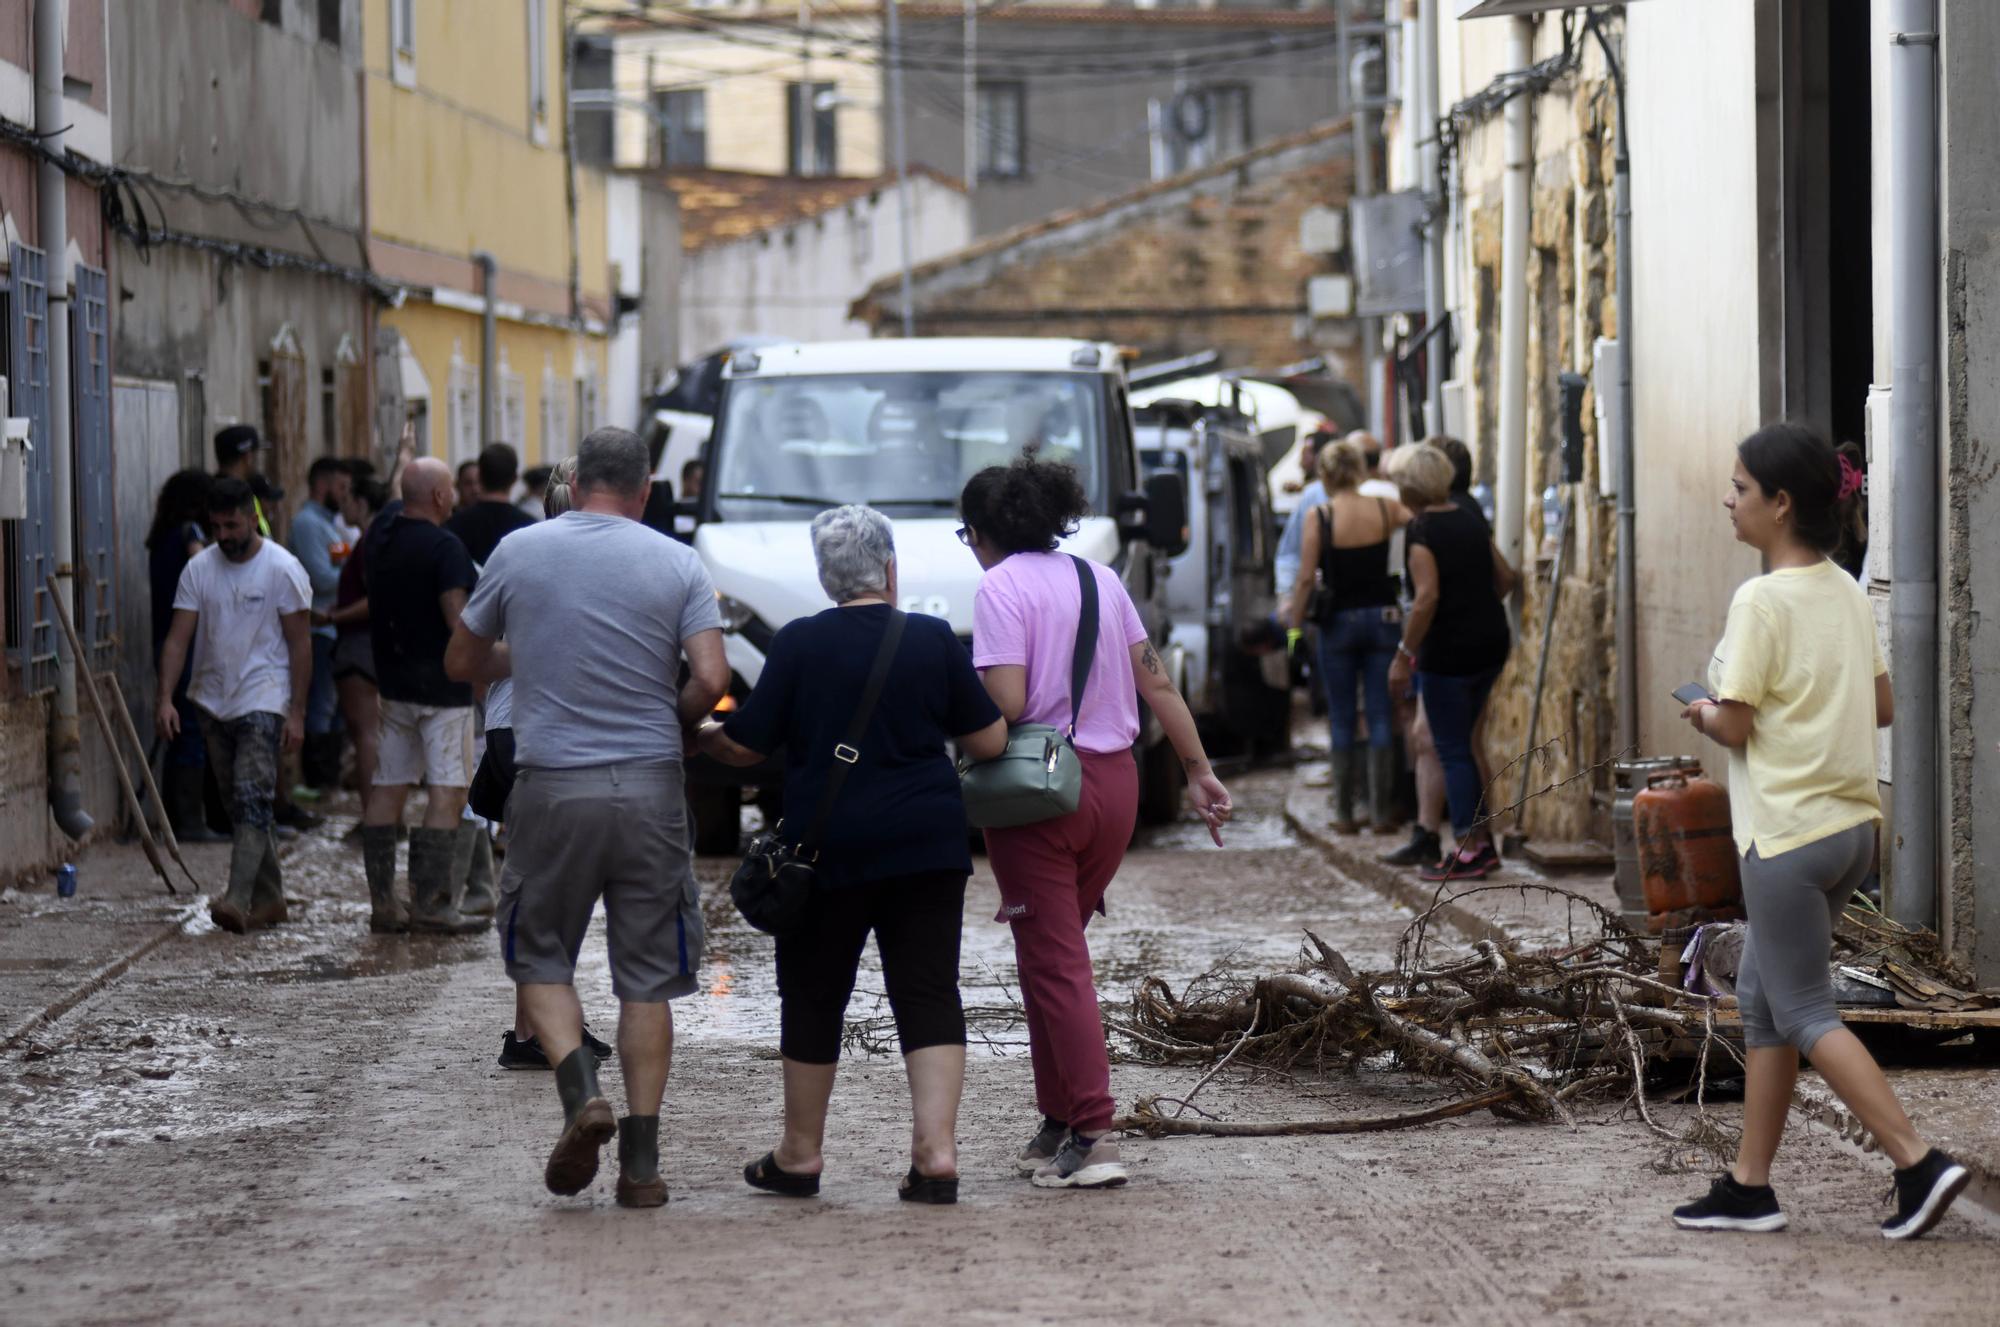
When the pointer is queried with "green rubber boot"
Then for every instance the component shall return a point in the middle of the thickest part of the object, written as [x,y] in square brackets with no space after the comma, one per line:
[231,909]
[1346,783]
[587,1124]
[473,868]
[432,854]
[1382,790]
[640,1183]
[378,858]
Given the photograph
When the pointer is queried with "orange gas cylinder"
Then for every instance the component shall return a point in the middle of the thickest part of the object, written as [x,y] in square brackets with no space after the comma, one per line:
[1687,858]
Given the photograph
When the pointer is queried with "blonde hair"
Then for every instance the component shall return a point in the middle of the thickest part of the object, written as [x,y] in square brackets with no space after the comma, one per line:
[1423,473]
[1341,466]
[561,493]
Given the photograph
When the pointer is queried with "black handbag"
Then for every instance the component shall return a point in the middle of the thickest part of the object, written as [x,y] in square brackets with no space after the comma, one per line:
[773,887]
[1319,600]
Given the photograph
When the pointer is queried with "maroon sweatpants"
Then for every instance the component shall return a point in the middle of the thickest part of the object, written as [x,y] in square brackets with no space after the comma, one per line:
[1052,877]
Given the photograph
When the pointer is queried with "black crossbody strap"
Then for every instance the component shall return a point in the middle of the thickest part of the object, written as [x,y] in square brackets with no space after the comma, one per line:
[1086,642]
[848,753]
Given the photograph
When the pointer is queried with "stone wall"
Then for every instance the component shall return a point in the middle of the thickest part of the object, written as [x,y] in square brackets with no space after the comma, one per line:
[1571,302]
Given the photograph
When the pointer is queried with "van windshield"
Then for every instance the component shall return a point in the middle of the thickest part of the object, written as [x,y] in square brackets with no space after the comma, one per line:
[903,442]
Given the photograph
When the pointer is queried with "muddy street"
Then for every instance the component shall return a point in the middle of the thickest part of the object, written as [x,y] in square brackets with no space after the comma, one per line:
[309,1126]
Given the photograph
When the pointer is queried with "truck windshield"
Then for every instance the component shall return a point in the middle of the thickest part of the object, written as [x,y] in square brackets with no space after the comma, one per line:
[903,442]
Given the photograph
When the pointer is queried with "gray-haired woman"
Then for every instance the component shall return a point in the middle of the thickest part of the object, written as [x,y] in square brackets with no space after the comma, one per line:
[893,859]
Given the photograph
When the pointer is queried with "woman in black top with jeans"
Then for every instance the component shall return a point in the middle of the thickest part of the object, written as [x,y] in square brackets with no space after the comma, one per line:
[1346,546]
[894,859]
[1457,639]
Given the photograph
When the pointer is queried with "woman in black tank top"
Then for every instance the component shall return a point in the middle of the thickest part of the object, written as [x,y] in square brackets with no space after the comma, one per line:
[1347,589]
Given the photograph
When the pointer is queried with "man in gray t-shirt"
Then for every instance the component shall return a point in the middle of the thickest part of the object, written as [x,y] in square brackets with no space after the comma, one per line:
[597,611]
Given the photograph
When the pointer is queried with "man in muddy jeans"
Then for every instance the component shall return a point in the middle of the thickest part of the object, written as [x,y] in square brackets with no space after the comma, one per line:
[241,604]
[596,611]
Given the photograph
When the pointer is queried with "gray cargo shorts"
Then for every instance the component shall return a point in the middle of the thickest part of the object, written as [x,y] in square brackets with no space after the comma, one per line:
[618,832]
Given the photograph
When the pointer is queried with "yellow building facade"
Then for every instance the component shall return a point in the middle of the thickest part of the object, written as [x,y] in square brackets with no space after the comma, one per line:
[465,159]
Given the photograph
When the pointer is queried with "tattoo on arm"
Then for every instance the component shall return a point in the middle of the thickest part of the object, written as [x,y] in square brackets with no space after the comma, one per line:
[1149,660]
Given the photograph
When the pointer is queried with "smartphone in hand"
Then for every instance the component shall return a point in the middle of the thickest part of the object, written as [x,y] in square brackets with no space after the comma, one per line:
[1693,693]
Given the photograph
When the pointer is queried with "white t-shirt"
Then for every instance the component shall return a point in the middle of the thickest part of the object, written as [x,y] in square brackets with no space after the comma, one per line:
[1383,488]
[241,665]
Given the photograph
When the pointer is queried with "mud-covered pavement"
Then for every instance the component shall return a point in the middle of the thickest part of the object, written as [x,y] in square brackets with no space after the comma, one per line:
[307,1126]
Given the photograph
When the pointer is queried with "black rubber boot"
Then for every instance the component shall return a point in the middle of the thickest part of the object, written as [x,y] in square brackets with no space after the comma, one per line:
[1346,781]
[267,896]
[432,853]
[378,858]
[472,867]
[587,1125]
[1382,816]
[180,789]
[231,909]
[640,1183]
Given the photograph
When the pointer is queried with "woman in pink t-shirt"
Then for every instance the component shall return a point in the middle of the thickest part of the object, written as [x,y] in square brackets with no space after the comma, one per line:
[1052,875]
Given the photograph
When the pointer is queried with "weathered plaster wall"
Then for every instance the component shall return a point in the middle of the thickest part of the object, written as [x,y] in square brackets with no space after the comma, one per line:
[1969,172]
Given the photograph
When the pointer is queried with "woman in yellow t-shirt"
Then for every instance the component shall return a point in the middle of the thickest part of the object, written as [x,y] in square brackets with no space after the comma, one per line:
[1799,688]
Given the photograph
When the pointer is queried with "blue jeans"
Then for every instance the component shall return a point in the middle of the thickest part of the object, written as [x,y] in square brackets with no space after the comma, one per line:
[1453,705]
[1357,647]
[322,703]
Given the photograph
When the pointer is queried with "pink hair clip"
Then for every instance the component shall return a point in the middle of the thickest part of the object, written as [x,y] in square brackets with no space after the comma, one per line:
[1852,477]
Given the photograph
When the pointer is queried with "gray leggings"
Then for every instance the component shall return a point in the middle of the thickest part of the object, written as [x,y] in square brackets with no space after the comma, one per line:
[1785,985]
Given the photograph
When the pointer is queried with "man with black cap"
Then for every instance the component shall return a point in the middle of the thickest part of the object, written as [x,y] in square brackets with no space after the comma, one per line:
[235,449]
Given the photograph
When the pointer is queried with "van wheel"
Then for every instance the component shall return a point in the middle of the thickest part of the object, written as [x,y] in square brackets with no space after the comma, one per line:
[1159,784]
[716,814]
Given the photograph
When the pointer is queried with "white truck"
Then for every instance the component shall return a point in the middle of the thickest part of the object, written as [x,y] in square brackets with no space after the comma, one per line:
[901,425]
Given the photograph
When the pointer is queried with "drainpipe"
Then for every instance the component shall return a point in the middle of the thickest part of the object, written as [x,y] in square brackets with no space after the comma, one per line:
[65,739]
[1438,356]
[1913,405]
[489,348]
[1511,473]
[1626,640]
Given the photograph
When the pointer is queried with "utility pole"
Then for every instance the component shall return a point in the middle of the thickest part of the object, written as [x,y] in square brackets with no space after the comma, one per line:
[971,94]
[806,109]
[902,160]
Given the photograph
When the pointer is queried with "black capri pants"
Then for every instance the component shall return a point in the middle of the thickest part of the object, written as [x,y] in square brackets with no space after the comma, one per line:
[916,921]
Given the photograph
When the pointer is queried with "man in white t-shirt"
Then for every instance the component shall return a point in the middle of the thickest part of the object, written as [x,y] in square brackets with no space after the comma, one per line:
[242,603]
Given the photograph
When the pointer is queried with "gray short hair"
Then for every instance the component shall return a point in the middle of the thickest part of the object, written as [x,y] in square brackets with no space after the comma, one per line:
[615,460]
[852,546]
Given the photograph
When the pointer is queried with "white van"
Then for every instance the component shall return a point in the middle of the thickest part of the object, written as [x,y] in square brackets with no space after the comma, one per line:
[901,425]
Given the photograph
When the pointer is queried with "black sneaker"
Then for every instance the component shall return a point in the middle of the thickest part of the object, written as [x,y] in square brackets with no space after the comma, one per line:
[1732,1206]
[518,1054]
[1422,849]
[1922,1194]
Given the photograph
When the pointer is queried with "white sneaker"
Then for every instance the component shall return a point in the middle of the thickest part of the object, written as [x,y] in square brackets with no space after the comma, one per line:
[1076,1167]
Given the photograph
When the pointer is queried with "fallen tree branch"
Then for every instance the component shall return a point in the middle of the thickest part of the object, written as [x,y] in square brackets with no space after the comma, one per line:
[1146,1119]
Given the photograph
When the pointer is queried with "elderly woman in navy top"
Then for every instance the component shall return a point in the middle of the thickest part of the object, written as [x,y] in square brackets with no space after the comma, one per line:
[894,859]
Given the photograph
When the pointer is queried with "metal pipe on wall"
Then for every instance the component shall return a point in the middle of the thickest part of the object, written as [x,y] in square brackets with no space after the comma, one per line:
[52,215]
[1510,472]
[489,347]
[901,143]
[1913,412]
[1437,357]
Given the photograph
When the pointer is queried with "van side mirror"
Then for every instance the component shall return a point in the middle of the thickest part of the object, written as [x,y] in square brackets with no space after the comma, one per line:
[1167,513]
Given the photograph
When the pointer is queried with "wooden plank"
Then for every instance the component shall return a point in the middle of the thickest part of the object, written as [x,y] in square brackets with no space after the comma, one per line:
[1560,856]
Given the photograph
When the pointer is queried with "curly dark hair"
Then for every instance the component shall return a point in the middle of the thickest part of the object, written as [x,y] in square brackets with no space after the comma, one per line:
[183,501]
[1025,507]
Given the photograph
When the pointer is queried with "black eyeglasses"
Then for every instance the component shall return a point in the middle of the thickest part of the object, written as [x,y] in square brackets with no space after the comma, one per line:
[965,535]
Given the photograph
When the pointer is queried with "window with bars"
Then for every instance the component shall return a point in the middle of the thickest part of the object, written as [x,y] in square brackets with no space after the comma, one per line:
[680,127]
[810,127]
[1002,131]
[329,21]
